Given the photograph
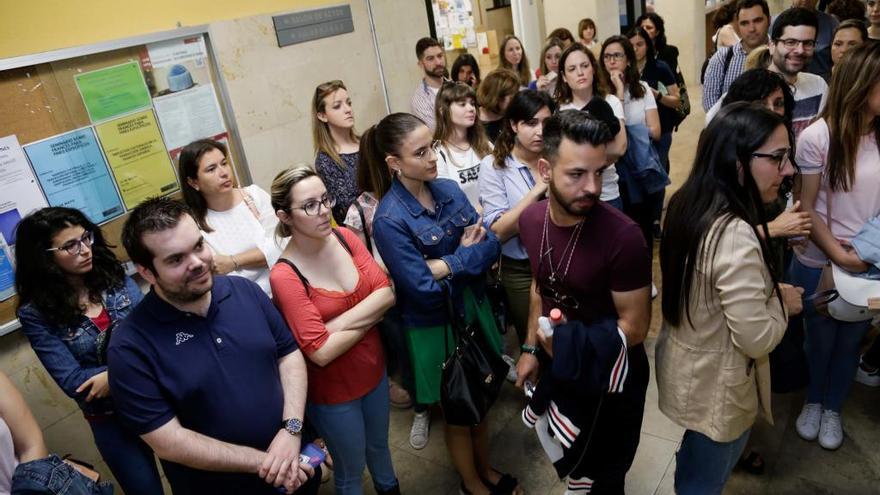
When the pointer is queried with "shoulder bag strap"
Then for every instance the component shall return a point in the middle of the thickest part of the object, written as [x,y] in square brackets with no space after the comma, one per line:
[343,241]
[299,274]
[367,237]
[249,201]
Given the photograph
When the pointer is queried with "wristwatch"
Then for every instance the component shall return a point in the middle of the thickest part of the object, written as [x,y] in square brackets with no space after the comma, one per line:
[293,425]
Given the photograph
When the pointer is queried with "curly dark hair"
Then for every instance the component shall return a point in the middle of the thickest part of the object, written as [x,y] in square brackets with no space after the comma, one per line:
[41,282]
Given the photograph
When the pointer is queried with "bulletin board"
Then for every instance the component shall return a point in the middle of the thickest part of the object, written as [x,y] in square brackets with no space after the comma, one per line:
[100,127]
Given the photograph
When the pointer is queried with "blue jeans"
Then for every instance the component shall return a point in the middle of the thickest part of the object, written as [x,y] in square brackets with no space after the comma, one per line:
[702,465]
[52,475]
[130,459]
[356,433]
[832,346]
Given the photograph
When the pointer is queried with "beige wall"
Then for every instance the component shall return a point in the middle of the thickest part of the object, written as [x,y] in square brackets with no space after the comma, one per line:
[567,14]
[271,88]
[686,29]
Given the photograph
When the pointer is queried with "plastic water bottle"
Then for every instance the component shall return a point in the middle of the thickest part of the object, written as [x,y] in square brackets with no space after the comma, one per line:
[546,324]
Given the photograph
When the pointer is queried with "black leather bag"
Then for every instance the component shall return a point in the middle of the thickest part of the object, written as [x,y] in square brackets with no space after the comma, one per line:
[472,374]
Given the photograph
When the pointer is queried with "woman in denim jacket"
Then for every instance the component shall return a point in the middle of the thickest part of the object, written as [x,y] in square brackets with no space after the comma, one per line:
[433,243]
[72,291]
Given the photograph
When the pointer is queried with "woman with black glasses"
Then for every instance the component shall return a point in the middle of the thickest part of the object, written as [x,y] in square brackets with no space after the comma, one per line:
[724,309]
[72,291]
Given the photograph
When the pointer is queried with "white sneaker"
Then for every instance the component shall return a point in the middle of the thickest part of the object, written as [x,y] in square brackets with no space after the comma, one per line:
[421,426]
[511,371]
[831,431]
[807,424]
[869,378]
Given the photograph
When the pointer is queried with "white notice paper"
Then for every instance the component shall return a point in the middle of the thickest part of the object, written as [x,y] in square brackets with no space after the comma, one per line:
[20,192]
[189,115]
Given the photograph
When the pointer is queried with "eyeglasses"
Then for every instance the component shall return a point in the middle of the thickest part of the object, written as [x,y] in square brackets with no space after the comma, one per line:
[780,158]
[614,56]
[313,207]
[433,149]
[75,246]
[792,42]
[555,294]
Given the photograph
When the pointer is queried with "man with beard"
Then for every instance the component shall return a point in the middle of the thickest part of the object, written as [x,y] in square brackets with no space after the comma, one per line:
[591,261]
[205,368]
[432,60]
[753,21]
[792,44]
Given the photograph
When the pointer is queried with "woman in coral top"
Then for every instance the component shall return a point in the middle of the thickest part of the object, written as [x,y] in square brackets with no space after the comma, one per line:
[332,294]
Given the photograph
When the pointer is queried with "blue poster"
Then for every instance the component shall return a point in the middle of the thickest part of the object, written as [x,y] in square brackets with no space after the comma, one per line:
[73,172]
[7,273]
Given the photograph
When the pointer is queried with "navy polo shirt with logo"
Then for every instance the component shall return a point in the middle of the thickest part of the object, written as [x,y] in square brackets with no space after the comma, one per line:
[217,374]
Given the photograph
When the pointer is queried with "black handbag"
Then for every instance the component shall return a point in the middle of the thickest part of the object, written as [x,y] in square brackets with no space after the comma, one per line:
[472,374]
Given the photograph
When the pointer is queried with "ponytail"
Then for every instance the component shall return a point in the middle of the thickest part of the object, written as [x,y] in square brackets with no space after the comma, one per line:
[378,142]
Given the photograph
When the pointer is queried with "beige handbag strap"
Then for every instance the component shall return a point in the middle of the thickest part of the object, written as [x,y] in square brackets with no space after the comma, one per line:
[249,201]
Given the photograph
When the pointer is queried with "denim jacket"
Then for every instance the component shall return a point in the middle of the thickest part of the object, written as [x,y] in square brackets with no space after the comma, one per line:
[407,234]
[69,353]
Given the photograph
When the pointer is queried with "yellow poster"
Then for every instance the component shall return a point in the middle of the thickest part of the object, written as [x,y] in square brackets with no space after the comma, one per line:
[137,155]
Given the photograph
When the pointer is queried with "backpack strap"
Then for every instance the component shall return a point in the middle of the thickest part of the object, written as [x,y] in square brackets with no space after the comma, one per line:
[299,274]
[728,57]
[343,241]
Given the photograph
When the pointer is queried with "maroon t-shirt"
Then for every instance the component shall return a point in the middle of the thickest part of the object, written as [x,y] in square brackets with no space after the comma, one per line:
[610,255]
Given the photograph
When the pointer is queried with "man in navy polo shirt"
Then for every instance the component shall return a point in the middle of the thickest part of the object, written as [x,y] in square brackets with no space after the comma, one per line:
[205,368]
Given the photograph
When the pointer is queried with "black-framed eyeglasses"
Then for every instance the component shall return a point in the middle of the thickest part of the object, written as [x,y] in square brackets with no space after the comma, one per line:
[313,207]
[75,246]
[554,293]
[614,56]
[793,42]
[781,158]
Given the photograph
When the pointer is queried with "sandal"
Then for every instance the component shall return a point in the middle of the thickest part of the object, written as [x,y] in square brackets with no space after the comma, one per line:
[752,463]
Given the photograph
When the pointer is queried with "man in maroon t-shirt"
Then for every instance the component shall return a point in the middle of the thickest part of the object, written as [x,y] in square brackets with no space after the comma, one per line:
[591,261]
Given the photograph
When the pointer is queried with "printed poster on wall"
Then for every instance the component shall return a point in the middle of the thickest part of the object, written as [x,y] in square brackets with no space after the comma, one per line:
[19,192]
[113,91]
[189,115]
[176,65]
[72,172]
[137,156]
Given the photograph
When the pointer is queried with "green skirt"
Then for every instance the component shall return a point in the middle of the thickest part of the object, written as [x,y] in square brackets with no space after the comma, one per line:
[428,351]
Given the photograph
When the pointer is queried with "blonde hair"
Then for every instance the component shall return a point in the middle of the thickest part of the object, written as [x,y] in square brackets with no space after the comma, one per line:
[280,192]
[449,94]
[321,130]
[523,71]
[759,58]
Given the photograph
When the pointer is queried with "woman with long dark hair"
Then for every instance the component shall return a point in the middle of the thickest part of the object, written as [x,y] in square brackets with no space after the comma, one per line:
[618,59]
[655,27]
[336,144]
[510,182]
[435,247]
[724,309]
[238,222]
[466,69]
[582,80]
[71,292]
[840,188]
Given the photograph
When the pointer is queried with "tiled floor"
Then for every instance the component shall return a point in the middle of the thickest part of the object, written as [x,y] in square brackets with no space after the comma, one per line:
[793,466]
